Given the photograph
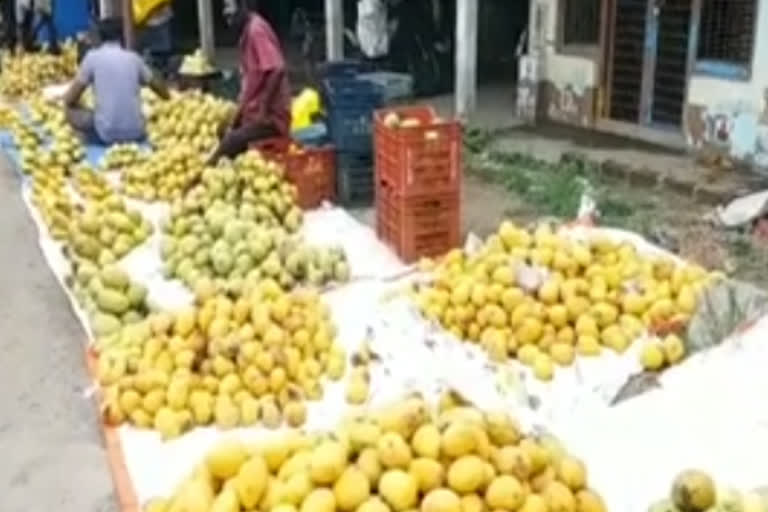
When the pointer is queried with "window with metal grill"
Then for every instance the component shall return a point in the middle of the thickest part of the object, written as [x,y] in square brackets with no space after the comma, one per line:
[727,31]
[580,22]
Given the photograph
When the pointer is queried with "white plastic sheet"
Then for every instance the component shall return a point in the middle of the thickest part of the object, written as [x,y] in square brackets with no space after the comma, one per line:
[709,414]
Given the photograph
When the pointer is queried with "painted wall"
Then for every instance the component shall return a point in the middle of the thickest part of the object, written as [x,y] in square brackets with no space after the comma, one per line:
[731,116]
[565,84]
[727,115]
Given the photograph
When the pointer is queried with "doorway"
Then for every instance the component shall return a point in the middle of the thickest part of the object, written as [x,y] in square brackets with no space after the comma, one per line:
[646,62]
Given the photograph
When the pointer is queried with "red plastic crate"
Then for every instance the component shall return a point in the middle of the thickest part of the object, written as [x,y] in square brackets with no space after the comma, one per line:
[418,226]
[312,170]
[418,160]
[273,146]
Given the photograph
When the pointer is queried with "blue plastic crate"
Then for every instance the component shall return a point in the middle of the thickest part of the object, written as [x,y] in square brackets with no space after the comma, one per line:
[354,179]
[392,86]
[349,67]
[349,90]
[351,128]
[350,104]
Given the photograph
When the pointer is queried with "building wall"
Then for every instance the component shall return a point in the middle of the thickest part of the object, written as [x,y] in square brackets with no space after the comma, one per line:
[731,116]
[561,86]
[728,115]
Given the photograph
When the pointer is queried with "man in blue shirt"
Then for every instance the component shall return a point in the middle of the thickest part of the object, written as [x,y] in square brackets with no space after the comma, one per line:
[116,76]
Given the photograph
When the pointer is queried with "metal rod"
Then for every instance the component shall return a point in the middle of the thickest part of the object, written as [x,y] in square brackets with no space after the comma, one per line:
[205,20]
[126,9]
[334,30]
[466,57]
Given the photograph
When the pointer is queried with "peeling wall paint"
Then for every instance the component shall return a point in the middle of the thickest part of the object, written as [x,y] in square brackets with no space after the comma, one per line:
[569,90]
[569,104]
[553,85]
[736,129]
[527,89]
[729,115]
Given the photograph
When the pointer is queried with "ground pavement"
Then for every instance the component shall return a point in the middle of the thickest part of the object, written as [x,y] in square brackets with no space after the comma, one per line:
[50,442]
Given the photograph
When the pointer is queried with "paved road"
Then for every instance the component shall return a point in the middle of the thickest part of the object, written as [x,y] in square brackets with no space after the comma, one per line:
[49,438]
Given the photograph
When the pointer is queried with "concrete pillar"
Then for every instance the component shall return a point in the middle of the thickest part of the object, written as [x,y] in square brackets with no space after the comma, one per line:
[334,30]
[205,21]
[532,67]
[108,9]
[466,57]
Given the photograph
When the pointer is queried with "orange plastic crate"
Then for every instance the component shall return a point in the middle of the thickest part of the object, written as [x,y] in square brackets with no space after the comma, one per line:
[273,146]
[311,170]
[418,226]
[418,160]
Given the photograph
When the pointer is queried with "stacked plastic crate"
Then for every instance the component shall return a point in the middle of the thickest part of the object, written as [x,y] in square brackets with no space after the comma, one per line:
[418,181]
[350,103]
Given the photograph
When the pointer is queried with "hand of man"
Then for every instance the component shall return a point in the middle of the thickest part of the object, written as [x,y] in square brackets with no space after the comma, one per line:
[232,123]
[210,156]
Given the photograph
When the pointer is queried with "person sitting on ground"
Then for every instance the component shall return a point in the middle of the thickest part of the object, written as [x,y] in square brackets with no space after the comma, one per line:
[265,96]
[116,76]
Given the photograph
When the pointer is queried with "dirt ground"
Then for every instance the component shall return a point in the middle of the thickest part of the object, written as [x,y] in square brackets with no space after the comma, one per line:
[534,174]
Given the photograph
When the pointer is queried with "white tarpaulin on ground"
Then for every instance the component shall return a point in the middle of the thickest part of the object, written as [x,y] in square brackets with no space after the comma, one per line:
[743,210]
[709,414]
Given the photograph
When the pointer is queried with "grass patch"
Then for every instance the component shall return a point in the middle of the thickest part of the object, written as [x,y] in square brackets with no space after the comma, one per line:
[556,189]
[476,141]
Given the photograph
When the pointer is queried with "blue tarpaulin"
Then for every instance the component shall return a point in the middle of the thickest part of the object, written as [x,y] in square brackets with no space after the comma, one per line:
[94,153]
[70,17]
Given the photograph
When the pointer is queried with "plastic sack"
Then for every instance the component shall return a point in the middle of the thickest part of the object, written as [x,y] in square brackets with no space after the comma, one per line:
[303,108]
[143,9]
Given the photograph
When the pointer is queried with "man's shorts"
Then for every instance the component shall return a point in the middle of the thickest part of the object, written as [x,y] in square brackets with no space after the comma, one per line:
[238,139]
[81,119]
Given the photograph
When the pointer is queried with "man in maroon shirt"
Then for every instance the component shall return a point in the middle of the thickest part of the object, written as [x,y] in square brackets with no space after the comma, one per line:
[265,96]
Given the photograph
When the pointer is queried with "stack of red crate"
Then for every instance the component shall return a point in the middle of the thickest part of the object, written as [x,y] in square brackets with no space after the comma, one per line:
[418,181]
